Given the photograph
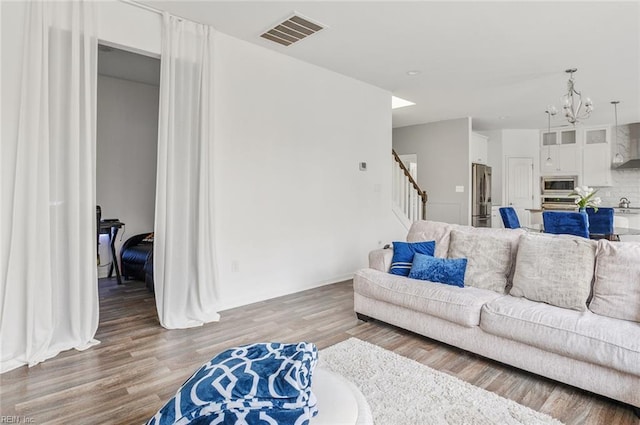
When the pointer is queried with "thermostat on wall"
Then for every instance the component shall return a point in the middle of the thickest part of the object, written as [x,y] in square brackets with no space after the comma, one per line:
[363,166]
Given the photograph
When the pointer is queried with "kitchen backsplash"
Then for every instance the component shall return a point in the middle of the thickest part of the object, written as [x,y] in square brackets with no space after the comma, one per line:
[626,183]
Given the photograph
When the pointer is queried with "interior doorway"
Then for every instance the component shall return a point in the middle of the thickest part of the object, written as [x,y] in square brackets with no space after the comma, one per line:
[126,145]
[520,187]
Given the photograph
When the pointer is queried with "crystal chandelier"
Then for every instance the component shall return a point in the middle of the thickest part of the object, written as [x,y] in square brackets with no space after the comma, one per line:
[573,104]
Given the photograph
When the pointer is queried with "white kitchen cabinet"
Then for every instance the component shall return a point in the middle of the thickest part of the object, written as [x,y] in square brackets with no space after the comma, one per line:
[559,137]
[596,165]
[596,136]
[596,157]
[563,146]
[581,151]
[565,159]
[478,148]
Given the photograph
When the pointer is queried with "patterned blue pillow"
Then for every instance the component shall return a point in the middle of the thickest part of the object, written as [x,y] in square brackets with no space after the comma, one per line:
[403,255]
[442,270]
[257,383]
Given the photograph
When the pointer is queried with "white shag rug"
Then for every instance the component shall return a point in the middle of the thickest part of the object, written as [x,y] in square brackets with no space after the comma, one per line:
[404,392]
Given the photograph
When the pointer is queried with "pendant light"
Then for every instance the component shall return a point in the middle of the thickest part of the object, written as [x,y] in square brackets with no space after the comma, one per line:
[618,159]
[551,110]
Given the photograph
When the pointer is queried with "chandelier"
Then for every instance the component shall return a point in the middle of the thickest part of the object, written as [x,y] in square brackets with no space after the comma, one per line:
[573,105]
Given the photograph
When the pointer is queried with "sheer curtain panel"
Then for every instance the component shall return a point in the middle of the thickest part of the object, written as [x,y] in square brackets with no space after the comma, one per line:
[184,260]
[49,294]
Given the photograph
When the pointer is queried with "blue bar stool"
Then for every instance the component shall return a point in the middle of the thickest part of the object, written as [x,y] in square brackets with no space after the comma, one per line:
[566,223]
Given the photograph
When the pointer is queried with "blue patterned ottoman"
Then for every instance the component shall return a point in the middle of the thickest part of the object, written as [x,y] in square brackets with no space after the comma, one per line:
[266,383]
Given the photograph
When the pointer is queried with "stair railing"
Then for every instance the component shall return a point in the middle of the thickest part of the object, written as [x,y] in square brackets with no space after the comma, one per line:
[407,195]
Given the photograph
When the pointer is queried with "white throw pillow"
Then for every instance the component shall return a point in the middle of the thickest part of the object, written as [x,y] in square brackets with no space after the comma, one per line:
[616,291]
[557,270]
[488,259]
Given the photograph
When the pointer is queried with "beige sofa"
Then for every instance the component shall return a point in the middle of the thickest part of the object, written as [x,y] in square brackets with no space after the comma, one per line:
[562,307]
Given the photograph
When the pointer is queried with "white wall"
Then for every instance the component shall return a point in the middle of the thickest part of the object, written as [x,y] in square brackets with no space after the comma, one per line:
[494,160]
[443,163]
[126,152]
[293,210]
[136,29]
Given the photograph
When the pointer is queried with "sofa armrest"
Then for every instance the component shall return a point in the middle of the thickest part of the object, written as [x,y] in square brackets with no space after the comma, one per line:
[380,259]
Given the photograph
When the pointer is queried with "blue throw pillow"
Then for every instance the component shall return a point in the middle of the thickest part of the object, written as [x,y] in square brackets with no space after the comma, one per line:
[442,270]
[403,255]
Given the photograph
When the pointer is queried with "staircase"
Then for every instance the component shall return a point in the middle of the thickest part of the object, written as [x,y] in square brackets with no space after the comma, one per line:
[409,201]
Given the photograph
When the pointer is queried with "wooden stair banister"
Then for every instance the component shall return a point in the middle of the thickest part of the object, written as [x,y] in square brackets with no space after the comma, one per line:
[421,193]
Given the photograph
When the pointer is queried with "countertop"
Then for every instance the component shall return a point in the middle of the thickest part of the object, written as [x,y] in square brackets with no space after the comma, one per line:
[630,210]
[618,210]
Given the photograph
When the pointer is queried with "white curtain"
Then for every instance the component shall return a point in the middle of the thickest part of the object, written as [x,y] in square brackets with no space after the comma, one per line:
[49,295]
[184,260]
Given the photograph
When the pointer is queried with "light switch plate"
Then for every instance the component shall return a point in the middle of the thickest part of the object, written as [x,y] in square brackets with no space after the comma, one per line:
[459,189]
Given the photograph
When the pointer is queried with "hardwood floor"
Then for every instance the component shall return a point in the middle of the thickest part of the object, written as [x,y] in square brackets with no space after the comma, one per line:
[139,365]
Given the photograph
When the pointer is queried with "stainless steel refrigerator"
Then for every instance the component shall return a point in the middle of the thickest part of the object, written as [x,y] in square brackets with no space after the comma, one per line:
[480,195]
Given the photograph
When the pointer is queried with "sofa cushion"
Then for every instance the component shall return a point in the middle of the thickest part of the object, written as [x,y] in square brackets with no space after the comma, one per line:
[449,271]
[557,270]
[580,335]
[488,259]
[511,235]
[616,291]
[457,305]
[403,253]
[424,230]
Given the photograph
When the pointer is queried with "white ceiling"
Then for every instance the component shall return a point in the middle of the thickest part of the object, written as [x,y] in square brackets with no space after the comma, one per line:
[499,62]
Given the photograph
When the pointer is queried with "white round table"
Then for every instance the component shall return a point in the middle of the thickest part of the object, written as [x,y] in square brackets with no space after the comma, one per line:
[340,402]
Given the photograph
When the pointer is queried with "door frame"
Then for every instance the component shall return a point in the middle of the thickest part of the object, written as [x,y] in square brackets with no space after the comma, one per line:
[523,212]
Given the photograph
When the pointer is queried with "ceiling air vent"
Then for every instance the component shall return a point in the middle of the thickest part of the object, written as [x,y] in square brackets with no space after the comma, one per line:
[292,30]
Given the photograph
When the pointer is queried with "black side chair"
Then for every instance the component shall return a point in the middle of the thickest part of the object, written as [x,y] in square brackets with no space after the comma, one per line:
[509,217]
[134,255]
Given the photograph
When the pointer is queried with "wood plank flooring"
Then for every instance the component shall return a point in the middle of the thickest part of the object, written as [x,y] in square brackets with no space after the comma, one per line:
[139,365]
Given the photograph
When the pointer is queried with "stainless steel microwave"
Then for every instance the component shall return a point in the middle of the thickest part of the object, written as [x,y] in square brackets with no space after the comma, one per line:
[558,185]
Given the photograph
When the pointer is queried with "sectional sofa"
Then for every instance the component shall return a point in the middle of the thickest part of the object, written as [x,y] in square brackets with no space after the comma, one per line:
[562,307]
